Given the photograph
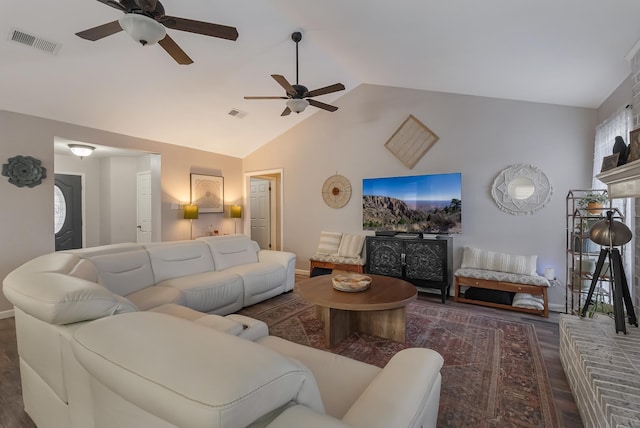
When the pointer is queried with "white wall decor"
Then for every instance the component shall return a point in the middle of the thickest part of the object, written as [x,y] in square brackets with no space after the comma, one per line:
[521,189]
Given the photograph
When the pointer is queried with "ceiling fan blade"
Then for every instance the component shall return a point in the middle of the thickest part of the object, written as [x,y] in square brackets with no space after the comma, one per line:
[199,27]
[114,4]
[323,106]
[266,98]
[286,112]
[172,48]
[101,31]
[326,90]
[284,83]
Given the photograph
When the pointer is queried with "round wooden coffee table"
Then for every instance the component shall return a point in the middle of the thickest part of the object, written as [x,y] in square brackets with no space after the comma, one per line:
[378,311]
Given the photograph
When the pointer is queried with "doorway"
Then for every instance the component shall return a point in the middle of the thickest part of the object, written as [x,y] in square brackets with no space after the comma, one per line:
[260,201]
[264,208]
[67,194]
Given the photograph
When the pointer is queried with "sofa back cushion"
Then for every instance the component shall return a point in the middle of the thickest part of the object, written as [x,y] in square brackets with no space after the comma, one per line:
[475,258]
[233,250]
[179,258]
[124,273]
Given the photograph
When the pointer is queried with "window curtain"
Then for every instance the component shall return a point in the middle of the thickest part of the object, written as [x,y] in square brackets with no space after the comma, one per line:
[618,124]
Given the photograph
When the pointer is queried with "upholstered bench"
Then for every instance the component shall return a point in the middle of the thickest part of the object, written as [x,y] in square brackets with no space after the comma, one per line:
[505,274]
[341,251]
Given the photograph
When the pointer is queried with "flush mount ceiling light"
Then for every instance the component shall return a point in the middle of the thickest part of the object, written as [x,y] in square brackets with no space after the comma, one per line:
[81,150]
[142,29]
[297,105]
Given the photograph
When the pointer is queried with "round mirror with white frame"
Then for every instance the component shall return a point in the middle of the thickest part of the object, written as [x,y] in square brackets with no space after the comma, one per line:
[521,189]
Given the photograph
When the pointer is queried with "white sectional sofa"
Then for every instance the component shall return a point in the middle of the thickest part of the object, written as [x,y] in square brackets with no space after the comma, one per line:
[134,335]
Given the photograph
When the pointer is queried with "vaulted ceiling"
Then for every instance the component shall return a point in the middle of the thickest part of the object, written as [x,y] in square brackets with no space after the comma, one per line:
[568,52]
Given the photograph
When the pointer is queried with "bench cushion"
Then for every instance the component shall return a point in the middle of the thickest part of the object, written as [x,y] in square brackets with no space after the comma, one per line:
[491,275]
[338,259]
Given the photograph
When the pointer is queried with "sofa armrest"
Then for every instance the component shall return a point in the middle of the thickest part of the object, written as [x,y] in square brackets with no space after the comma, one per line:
[406,393]
[286,259]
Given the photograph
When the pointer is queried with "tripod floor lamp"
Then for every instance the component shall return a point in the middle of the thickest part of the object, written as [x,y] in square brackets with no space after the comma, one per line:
[191,213]
[235,212]
[611,233]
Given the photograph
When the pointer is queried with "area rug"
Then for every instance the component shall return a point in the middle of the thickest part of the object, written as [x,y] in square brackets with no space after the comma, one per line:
[493,374]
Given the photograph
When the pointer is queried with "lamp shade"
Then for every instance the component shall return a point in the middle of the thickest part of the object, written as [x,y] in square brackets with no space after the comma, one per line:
[191,212]
[297,104]
[605,232]
[235,211]
[142,29]
[81,150]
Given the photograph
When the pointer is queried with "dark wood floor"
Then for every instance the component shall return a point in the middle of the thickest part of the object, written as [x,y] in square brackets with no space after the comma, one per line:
[12,414]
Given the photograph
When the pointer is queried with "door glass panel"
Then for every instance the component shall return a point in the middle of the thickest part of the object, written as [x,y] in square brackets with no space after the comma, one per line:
[59,209]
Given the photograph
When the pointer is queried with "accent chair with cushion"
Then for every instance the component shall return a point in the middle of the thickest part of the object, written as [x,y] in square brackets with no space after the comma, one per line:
[341,251]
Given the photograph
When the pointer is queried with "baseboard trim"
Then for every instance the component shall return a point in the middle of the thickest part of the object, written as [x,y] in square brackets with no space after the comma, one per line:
[556,307]
[302,272]
[6,314]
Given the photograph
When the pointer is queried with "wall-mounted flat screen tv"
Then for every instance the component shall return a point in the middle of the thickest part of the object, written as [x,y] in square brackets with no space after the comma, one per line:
[429,204]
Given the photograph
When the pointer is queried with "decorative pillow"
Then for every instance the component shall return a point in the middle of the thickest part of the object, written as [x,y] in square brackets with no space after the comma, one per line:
[476,258]
[329,242]
[351,245]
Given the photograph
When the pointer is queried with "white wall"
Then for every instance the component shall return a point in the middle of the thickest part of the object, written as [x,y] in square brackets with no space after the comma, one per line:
[27,213]
[478,137]
[120,212]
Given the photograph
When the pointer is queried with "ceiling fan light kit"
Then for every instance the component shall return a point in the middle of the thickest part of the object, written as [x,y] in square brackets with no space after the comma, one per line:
[146,22]
[142,29]
[297,105]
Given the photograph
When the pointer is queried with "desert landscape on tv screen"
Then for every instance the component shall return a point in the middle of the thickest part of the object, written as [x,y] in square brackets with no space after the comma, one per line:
[429,204]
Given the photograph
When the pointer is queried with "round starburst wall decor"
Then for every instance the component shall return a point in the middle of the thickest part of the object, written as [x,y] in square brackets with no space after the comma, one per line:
[521,189]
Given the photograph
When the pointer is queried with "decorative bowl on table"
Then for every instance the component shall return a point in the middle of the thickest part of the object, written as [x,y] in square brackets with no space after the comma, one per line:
[351,282]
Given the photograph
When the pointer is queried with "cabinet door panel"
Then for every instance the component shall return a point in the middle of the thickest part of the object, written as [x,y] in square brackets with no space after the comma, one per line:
[425,260]
[385,257]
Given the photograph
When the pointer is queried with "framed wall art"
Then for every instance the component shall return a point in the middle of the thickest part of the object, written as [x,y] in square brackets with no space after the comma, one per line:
[634,145]
[207,192]
[609,162]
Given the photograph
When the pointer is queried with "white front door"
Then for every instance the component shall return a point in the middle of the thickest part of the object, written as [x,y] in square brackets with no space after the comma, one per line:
[261,212]
[144,207]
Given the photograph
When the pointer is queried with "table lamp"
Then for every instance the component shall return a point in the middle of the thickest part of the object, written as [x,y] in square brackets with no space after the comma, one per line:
[191,213]
[235,212]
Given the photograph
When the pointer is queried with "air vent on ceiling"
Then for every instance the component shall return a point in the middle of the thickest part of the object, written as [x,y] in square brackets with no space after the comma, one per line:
[34,41]
[237,113]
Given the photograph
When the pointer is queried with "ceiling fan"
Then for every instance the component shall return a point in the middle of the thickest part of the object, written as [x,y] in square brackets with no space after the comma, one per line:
[145,22]
[298,96]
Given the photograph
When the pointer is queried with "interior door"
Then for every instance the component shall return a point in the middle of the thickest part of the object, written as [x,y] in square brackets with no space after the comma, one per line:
[67,211]
[261,212]
[143,234]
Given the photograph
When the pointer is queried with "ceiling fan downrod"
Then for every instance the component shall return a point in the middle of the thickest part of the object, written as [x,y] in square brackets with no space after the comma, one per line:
[296,37]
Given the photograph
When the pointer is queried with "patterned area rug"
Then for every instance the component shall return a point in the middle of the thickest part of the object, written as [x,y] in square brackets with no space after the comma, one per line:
[493,374]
